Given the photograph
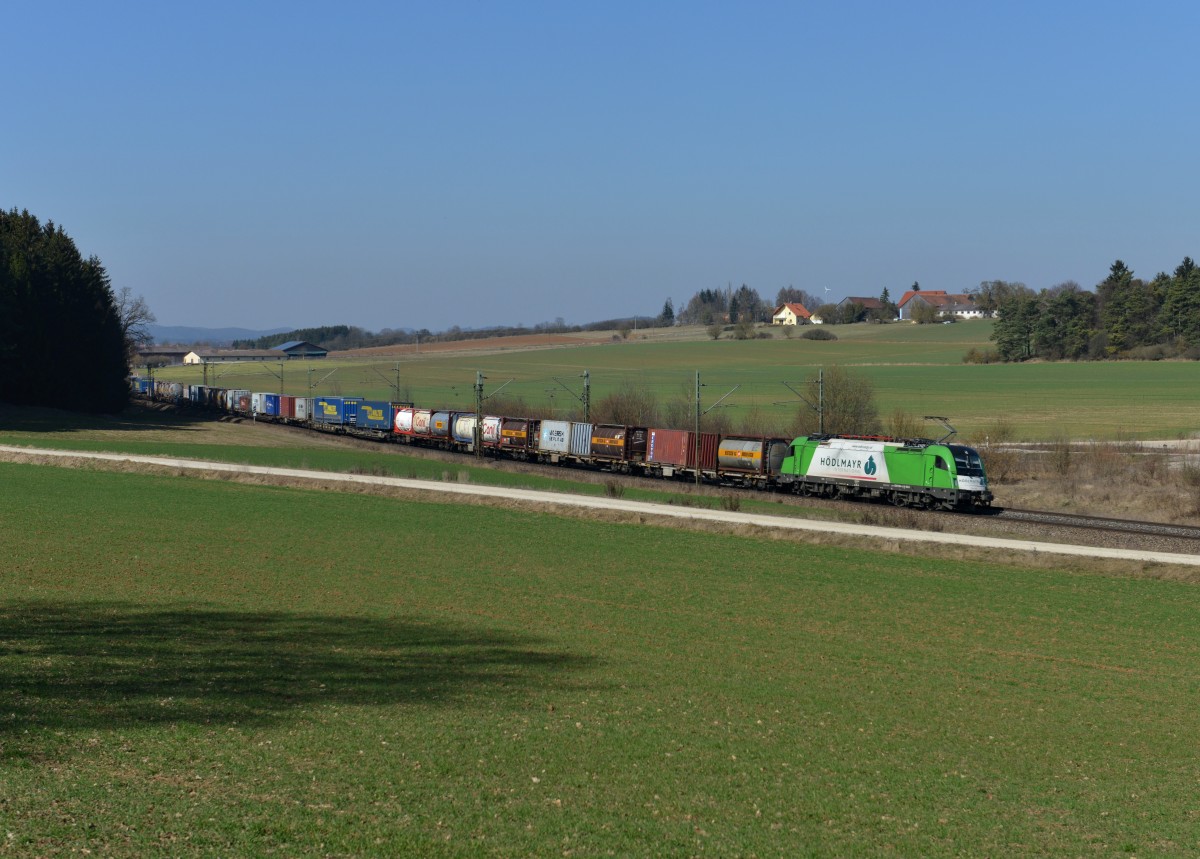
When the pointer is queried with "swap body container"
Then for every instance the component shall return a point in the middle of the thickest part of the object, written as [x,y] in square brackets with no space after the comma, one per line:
[329,410]
[304,409]
[287,407]
[265,404]
[374,414]
[338,411]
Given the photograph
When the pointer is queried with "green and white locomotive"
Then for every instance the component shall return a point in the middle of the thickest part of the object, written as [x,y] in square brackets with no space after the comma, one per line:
[906,472]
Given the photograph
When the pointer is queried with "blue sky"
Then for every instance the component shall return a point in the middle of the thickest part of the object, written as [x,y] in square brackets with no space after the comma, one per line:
[432,164]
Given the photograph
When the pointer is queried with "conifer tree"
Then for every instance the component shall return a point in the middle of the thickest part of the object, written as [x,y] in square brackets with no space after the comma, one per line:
[61,339]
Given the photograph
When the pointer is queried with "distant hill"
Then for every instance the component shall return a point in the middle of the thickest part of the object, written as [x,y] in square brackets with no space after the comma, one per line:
[184,335]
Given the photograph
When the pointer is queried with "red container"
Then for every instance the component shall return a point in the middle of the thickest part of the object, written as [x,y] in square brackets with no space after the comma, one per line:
[668,447]
[287,407]
[709,443]
[677,448]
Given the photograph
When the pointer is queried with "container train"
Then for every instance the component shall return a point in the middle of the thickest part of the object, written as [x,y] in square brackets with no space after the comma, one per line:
[919,473]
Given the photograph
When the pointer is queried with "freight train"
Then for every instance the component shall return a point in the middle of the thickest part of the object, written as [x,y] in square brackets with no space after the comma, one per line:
[920,473]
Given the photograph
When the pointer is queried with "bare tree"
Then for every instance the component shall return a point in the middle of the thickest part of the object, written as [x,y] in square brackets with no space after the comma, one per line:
[793,295]
[846,399]
[136,317]
[632,405]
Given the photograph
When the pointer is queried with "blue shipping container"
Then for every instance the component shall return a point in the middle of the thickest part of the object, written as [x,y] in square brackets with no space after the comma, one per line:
[329,410]
[375,414]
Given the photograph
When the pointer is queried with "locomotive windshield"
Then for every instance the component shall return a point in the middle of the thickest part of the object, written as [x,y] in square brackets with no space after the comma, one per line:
[966,461]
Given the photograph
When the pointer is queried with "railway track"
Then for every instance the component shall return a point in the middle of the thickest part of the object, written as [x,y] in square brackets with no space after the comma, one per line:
[1099,523]
[1107,531]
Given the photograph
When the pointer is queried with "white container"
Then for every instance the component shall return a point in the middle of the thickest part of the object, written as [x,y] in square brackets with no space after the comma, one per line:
[554,437]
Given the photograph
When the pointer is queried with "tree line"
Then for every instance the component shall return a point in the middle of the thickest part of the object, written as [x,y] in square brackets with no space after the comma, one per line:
[341,337]
[745,305]
[1125,317]
[65,336]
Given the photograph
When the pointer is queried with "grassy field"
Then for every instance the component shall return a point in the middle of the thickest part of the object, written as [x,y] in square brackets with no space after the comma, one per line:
[196,435]
[917,369]
[196,667]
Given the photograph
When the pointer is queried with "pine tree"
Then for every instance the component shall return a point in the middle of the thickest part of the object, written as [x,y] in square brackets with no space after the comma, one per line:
[61,338]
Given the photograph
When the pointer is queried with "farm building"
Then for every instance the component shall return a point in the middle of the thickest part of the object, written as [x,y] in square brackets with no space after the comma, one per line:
[958,306]
[862,301]
[152,356]
[790,314]
[227,356]
[301,349]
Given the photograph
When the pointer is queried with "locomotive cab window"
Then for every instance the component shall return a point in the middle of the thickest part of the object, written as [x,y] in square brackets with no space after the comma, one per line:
[940,463]
[967,461]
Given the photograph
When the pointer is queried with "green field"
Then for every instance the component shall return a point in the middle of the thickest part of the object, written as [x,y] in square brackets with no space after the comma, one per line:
[917,369]
[195,435]
[194,667]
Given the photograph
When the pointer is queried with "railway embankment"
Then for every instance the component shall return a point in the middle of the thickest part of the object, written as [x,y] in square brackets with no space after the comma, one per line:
[637,511]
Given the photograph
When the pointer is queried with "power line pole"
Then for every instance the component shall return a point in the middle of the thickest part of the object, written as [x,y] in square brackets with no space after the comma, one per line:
[819,405]
[699,414]
[479,377]
[821,400]
[697,463]
[585,397]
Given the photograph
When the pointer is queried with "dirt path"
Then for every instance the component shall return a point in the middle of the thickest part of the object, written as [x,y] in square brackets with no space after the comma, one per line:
[639,511]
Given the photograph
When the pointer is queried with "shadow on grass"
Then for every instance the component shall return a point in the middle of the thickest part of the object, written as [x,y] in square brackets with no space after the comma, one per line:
[76,666]
[137,417]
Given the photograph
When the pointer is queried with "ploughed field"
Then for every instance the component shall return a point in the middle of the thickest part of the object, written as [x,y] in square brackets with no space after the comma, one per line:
[194,666]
